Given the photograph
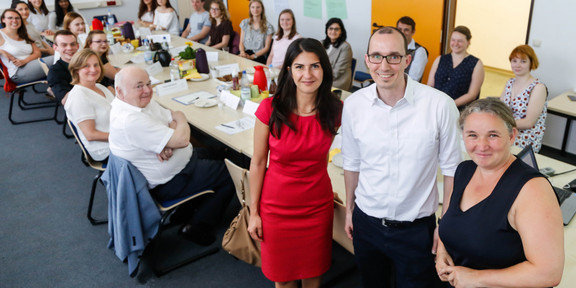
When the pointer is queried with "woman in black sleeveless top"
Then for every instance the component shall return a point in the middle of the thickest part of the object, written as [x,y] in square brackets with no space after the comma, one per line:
[503,227]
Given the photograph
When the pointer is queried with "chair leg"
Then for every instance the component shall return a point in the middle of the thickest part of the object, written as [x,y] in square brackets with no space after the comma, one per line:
[20,94]
[64,125]
[154,255]
[91,203]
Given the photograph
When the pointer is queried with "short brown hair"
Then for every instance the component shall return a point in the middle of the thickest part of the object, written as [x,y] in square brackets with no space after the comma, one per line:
[463,30]
[492,106]
[79,61]
[63,33]
[525,51]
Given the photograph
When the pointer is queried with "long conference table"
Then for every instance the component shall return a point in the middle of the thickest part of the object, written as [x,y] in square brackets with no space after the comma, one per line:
[207,119]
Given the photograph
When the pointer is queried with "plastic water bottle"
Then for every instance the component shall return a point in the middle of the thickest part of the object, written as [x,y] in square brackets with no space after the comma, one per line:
[110,19]
[174,70]
[165,45]
[245,87]
[148,54]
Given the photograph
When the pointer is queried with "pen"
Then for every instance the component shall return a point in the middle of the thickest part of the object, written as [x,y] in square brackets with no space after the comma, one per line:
[227,126]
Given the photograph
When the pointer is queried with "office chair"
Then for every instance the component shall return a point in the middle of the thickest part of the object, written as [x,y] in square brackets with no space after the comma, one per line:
[353,66]
[18,91]
[105,18]
[186,21]
[235,48]
[96,165]
[137,220]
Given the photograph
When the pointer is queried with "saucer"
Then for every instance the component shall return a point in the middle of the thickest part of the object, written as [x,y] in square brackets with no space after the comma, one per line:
[205,103]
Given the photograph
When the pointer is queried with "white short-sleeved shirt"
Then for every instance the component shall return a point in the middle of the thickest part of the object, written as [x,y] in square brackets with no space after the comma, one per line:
[84,104]
[40,21]
[139,135]
[148,16]
[397,150]
[168,21]
[197,22]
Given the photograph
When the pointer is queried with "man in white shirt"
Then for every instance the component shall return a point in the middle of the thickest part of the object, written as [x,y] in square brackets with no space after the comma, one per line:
[199,23]
[415,69]
[395,135]
[157,142]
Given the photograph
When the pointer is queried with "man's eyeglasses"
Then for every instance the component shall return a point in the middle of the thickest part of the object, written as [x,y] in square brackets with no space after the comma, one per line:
[100,42]
[391,59]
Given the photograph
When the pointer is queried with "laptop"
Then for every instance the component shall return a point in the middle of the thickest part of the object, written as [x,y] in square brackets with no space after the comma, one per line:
[567,199]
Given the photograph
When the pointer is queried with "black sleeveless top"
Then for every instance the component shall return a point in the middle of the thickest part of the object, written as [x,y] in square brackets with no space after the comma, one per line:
[454,81]
[481,237]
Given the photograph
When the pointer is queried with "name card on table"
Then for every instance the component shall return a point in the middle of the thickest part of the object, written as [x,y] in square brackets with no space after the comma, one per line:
[171,87]
[116,48]
[226,69]
[154,68]
[250,107]
[229,99]
[159,38]
[212,56]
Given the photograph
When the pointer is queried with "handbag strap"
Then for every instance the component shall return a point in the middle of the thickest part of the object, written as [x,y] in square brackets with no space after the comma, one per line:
[243,188]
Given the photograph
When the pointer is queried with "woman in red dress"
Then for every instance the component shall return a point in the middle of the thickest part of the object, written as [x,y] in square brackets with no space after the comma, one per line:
[292,208]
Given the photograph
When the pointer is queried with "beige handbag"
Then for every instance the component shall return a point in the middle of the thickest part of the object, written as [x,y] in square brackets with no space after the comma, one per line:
[237,240]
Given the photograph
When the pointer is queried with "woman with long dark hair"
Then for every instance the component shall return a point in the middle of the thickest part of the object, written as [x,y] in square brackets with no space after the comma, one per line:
[18,52]
[146,12]
[61,7]
[339,52]
[291,210]
[39,16]
[34,34]
[165,18]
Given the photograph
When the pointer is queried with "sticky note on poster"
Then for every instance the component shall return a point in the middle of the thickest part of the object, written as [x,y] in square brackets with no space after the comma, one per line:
[336,8]
[313,8]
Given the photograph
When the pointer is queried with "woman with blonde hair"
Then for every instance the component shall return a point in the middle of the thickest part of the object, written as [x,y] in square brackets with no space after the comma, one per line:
[256,33]
[88,103]
[283,38]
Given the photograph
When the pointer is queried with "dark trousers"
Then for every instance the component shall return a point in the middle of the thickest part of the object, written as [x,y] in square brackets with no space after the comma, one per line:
[199,175]
[261,59]
[394,256]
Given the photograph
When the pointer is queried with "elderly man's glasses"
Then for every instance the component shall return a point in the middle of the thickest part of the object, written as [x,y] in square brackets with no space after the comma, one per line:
[391,59]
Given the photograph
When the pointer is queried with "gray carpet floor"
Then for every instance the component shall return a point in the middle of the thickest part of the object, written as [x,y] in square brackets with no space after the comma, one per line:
[47,241]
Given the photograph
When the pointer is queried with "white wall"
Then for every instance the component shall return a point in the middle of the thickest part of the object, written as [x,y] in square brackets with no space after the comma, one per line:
[357,24]
[554,24]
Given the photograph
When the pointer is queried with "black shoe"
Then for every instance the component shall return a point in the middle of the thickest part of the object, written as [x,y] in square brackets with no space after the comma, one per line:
[203,237]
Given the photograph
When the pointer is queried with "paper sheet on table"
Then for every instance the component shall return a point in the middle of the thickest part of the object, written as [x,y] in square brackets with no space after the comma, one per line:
[116,48]
[193,97]
[176,50]
[138,58]
[237,126]
[154,81]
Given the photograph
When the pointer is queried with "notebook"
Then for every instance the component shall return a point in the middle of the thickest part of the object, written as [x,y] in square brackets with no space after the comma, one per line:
[567,199]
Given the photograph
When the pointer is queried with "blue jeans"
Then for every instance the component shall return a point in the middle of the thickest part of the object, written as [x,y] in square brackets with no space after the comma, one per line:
[394,256]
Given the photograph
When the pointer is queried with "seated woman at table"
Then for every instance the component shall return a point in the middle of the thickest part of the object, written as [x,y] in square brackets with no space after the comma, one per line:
[88,103]
[458,74]
[283,38]
[74,23]
[34,34]
[165,18]
[221,33]
[256,33]
[18,52]
[526,96]
[39,16]
[503,227]
[96,40]
[146,12]
[56,17]
[292,205]
[340,53]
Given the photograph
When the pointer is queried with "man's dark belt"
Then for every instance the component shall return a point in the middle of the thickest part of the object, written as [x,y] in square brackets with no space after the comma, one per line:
[404,224]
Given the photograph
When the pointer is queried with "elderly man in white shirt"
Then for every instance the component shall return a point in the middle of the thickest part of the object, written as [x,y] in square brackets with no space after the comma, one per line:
[395,134]
[419,54]
[157,142]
